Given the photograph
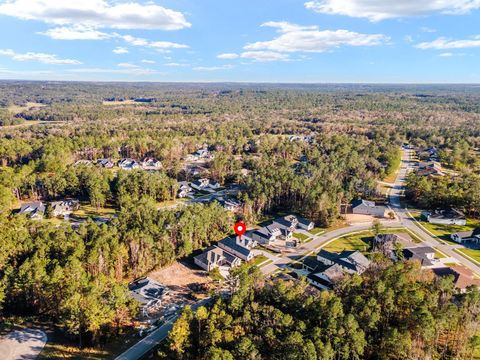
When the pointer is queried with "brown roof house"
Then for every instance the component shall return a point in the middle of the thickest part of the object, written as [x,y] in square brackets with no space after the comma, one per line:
[462,277]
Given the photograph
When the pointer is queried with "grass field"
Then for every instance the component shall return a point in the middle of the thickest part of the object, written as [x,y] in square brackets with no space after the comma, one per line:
[444,231]
[352,242]
[87,210]
[317,231]
[300,236]
[361,241]
[474,254]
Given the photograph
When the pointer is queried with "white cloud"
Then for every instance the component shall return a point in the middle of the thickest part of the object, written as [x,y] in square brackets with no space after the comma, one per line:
[174,64]
[135,41]
[212,68]
[408,38]
[128,65]
[295,38]
[443,43]
[145,61]
[97,14]
[377,10]
[75,33]
[450,54]
[120,50]
[262,56]
[227,56]
[128,71]
[427,29]
[39,57]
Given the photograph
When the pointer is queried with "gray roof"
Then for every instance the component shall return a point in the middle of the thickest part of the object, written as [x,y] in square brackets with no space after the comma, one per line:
[349,259]
[304,221]
[231,243]
[448,214]
[468,234]
[419,253]
[33,208]
[366,203]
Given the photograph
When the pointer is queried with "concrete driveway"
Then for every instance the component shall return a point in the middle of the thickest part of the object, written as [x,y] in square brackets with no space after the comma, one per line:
[23,344]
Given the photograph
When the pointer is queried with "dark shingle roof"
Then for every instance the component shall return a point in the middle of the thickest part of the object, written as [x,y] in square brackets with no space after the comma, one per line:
[231,243]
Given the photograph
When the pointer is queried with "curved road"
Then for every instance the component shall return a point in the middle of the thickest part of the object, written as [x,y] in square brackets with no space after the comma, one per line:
[23,344]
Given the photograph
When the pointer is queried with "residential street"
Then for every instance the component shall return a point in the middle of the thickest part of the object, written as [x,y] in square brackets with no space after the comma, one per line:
[154,338]
[409,223]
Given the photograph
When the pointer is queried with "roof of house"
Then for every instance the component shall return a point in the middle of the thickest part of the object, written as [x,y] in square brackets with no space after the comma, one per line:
[359,202]
[462,277]
[449,214]
[468,234]
[146,289]
[232,243]
[419,253]
[32,207]
[304,221]
[350,259]
[208,256]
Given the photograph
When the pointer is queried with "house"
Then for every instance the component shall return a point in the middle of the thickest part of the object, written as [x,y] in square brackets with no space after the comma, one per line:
[431,168]
[128,164]
[462,277]
[305,224]
[386,244]
[205,185]
[184,190]
[352,261]
[446,217]
[196,170]
[65,207]
[365,207]
[151,164]
[201,154]
[147,292]
[472,236]
[229,203]
[424,254]
[287,225]
[238,248]
[266,235]
[329,268]
[105,163]
[33,210]
[328,278]
[214,257]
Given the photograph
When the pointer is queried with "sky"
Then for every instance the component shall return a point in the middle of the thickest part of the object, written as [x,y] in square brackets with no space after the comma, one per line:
[294,41]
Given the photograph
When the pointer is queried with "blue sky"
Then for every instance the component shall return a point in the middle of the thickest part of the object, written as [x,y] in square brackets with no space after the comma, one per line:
[389,41]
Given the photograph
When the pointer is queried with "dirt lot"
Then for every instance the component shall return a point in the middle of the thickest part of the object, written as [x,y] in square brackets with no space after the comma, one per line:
[178,274]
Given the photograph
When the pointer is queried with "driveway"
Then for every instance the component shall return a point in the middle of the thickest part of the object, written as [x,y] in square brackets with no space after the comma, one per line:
[23,344]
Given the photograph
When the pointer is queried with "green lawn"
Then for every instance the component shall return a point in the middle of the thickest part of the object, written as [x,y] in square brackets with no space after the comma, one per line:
[87,210]
[258,260]
[361,241]
[300,236]
[352,242]
[439,255]
[474,254]
[444,231]
[317,231]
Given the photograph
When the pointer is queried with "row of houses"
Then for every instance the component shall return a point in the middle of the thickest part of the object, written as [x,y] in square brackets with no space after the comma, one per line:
[328,268]
[36,210]
[125,164]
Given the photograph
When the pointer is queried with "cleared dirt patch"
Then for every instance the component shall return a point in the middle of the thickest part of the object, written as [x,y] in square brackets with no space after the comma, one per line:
[179,274]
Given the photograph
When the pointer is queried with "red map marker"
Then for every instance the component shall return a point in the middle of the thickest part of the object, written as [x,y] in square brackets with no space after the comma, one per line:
[240,228]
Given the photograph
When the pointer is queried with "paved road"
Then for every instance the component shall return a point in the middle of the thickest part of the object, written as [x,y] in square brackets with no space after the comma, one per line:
[23,344]
[154,338]
[404,217]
